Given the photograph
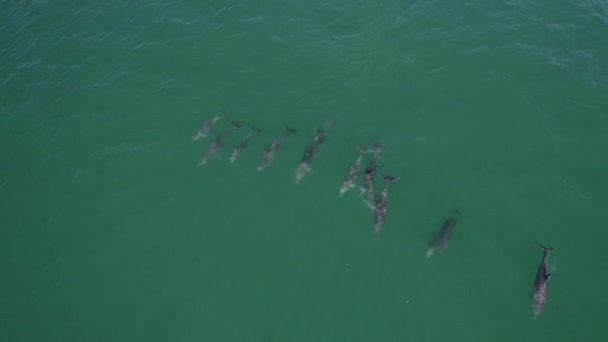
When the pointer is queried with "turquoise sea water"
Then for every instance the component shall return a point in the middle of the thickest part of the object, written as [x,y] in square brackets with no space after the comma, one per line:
[109,231]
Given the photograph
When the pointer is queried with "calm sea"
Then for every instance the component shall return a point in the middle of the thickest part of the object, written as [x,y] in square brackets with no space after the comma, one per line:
[110,232]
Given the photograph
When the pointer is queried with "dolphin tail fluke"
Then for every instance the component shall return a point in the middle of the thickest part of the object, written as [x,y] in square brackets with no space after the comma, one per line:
[290,130]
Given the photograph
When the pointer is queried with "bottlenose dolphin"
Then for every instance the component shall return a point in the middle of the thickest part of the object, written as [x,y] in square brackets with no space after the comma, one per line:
[368,177]
[204,129]
[378,205]
[271,150]
[243,143]
[349,180]
[540,283]
[306,159]
[440,241]
[217,143]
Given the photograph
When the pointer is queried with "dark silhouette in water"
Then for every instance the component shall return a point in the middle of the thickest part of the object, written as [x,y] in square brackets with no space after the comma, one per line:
[203,131]
[378,204]
[217,143]
[271,150]
[349,180]
[540,282]
[306,159]
[440,241]
[243,143]
[368,176]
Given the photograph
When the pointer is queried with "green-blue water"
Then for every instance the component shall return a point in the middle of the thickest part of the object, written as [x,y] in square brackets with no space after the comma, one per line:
[109,231]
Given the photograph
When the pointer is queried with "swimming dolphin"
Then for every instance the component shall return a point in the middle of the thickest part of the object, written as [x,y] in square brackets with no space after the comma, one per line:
[349,180]
[217,143]
[378,205]
[540,283]
[440,241]
[306,159]
[204,129]
[243,143]
[271,150]
[370,171]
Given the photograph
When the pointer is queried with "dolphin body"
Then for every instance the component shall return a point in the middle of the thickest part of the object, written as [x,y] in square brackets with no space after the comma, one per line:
[349,180]
[204,129]
[378,205]
[440,241]
[271,150]
[243,143]
[306,159]
[217,143]
[540,283]
[368,177]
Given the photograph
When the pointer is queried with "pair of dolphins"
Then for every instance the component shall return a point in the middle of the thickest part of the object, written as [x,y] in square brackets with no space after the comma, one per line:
[305,161]
[439,243]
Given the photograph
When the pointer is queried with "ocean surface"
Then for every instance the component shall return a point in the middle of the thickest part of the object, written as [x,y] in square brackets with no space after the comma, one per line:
[110,231]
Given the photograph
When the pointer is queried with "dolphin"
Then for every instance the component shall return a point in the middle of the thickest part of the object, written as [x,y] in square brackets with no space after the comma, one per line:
[540,283]
[217,143]
[440,241]
[306,159]
[370,171]
[204,129]
[349,180]
[378,205]
[243,143]
[271,150]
